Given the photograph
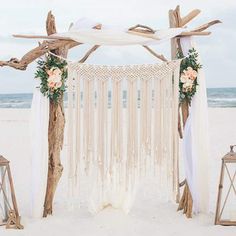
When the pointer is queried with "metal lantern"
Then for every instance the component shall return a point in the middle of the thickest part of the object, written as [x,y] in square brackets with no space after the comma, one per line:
[226,201]
[9,215]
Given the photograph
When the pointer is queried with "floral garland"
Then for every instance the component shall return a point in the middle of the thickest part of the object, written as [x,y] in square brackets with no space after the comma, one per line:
[52,72]
[188,75]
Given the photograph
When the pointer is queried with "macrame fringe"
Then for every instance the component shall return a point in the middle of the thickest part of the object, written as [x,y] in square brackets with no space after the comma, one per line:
[115,156]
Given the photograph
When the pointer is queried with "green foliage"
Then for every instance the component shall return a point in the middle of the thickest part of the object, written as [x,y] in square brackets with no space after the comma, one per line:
[51,62]
[190,61]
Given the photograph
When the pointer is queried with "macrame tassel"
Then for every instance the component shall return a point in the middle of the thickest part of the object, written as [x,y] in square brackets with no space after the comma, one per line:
[161,159]
[116,134]
[91,121]
[168,134]
[88,120]
[70,132]
[157,125]
[85,123]
[145,123]
[149,122]
[100,124]
[78,130]
[132,141]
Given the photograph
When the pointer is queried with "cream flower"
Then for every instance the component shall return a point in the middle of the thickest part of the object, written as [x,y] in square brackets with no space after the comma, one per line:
[55,78]
[187,86]
[57,72]
[54,75]
[183,78]
[190,73]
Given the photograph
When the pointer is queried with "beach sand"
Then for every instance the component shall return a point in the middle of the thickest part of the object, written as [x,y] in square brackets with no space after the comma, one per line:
[147,217]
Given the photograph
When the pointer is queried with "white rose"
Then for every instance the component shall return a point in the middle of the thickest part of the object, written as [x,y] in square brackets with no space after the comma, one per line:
[183,78]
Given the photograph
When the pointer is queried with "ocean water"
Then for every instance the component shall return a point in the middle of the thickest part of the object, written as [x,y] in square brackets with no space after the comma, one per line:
[217,97]
[221,97]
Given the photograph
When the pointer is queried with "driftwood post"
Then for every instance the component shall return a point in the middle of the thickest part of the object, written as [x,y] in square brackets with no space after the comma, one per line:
[175,20]
[186,202]
[55,133]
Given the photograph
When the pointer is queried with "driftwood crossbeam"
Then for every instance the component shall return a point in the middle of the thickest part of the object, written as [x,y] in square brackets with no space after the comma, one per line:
[60,47]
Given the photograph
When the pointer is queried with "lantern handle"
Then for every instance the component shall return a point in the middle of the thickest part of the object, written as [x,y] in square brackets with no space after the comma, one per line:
[232,148]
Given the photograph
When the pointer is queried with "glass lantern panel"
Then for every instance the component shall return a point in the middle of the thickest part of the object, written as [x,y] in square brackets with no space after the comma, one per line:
[228,200]
[5,195]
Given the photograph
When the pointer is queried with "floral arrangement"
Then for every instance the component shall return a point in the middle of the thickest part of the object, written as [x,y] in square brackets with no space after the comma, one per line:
[188,75]
[53,73]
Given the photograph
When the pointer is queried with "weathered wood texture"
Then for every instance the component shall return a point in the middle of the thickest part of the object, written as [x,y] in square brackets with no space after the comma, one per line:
[186,202]
[55,132]
[173,23]
[159,56]
[38,52]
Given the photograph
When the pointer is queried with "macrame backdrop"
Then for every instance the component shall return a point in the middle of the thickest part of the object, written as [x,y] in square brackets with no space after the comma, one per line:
[122,125]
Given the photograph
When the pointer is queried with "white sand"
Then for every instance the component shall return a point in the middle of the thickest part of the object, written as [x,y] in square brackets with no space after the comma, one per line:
[148,216]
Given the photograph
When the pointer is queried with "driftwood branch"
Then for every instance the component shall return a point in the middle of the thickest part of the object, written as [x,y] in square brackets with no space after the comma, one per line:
[50,24]
[191,33]
[142,29]
[159,56]
[207,25]
[37,52]
[23,36]
[176,13]
[191,15]
[86,56]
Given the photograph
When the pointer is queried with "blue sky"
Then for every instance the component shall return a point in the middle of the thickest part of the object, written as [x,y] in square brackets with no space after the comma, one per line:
[28,17]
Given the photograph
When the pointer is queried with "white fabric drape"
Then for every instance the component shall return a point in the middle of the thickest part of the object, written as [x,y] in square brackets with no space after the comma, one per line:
[39,157]
[196,140]
[116,141]
[82,33]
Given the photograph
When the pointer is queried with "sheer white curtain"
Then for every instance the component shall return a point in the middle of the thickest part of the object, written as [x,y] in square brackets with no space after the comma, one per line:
[39,155]
[196,141]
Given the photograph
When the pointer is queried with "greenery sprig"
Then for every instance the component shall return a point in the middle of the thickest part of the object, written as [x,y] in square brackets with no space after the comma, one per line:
[52,72]
[189,69]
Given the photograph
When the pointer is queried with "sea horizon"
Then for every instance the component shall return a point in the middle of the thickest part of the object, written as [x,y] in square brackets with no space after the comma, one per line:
[217,97]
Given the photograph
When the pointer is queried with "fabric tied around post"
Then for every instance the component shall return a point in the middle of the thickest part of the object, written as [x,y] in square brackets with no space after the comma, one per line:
[195,143]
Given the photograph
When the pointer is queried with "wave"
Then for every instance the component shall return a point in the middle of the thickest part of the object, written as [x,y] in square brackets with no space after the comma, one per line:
[217,97]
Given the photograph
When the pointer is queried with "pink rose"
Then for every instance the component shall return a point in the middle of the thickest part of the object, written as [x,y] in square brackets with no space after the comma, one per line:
[50,72]
[58,84]
[51,84]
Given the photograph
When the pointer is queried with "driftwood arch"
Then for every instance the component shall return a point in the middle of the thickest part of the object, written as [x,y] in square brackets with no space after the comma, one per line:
[60,47]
